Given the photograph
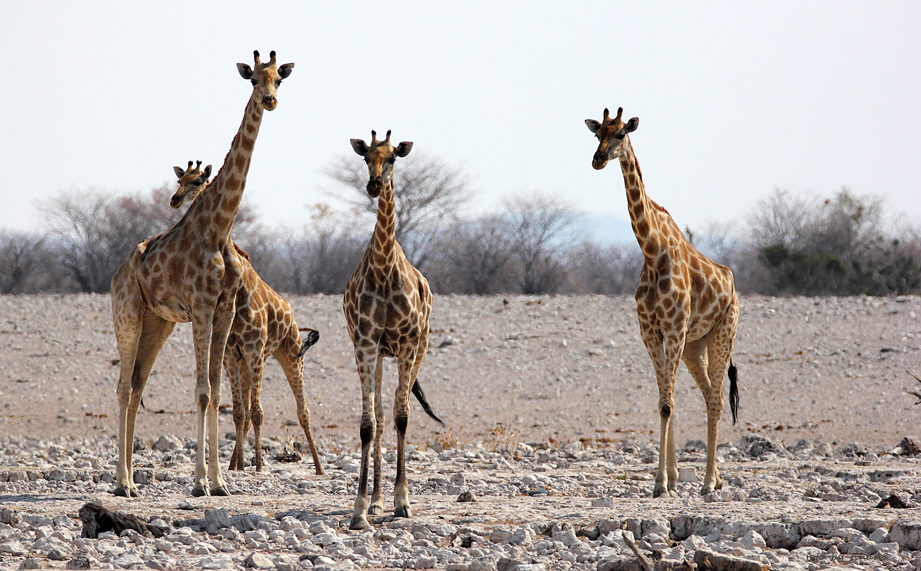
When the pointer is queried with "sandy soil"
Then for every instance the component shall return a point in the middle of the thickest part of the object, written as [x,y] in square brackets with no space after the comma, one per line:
[499,370]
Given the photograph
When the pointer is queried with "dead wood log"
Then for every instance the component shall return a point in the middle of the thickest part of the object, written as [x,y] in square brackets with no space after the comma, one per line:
[97,519]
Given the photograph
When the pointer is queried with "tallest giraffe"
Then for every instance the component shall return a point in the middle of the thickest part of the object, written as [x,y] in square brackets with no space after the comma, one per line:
[191,272]
[687,305]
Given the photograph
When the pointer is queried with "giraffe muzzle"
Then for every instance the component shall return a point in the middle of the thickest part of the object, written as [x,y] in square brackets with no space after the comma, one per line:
[374,186]
[269,102]
[599,160]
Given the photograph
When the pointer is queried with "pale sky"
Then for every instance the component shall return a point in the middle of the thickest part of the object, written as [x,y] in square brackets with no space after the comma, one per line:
[734,98]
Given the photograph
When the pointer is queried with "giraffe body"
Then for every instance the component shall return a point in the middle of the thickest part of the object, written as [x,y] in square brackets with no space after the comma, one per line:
[387,304]
[191,272]
[263,325]
[687,306]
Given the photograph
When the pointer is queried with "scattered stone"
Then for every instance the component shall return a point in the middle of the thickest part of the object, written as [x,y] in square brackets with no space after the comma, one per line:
[257,560]
[466,497]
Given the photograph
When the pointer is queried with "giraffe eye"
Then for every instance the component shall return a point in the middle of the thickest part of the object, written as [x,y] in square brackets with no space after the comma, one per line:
[277,83]
[253,82]
[197,181]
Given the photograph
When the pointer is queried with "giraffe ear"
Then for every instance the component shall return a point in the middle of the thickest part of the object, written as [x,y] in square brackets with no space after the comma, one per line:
[592,125]
[359,146]
[179,172]
[207,174]
[632,124]
[246,72]
[285,70]
[403,148]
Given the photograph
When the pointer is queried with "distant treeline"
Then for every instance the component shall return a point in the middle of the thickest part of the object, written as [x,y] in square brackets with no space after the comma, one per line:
[788,245]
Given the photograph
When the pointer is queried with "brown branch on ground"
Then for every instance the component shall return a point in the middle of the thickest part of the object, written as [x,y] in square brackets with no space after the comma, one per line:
[641,558]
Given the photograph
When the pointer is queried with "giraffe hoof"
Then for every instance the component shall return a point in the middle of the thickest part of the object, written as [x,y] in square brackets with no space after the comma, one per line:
[126,492]
[402,511]
[660,492]
[199,491]
[219,491]
[358,522]
[375,509]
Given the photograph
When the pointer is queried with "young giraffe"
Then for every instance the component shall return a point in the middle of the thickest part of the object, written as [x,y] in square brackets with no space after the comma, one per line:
[686,303]
[262,325]
[188,273]
[387,304]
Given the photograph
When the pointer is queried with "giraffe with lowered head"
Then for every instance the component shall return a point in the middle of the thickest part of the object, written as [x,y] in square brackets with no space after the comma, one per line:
[190,273]
[387,304]
[263,325]
[687,306]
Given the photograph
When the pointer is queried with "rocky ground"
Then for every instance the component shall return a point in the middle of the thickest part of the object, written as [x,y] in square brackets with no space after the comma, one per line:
[550,410]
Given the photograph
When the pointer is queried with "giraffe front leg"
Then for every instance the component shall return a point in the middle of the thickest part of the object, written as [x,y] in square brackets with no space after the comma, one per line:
[124,481]
[661,482]
[223,318]
[401,421]
[366,432]
[671,463]
[667,471]
[201,333]
[377,492]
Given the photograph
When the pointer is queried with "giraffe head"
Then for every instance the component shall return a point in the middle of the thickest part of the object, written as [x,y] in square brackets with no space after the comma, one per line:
[611,133]
[380,157]
[192,180]
[265,77]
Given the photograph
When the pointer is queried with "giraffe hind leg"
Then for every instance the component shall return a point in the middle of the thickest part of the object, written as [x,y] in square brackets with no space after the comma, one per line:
[154,333]
[697,359]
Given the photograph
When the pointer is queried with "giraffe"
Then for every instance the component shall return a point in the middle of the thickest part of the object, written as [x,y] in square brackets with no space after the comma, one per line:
[262,325]
[687,306]
[387,304]
[191,272]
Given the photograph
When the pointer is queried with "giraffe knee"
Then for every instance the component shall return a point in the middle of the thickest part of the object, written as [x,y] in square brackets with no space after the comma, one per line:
[401,423]
[665,411]
[204,400]
[366,431]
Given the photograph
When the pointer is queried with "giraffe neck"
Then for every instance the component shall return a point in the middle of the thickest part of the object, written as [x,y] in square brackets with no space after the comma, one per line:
[218,204]
[384,239]
[643,215]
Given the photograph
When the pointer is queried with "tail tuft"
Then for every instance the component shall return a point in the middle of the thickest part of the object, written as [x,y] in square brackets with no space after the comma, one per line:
[420,396]
[312,337]
[733,392]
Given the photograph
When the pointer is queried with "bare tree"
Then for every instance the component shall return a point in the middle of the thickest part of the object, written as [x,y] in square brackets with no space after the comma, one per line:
[540,230]
[473,257]
[76,222]
[323,257]
[26,264]
[428,194]
[608,269]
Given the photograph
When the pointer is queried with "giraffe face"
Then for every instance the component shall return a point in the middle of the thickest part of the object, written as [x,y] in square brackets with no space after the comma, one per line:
[610,133]
[265,77]
[379,156]
[191,182]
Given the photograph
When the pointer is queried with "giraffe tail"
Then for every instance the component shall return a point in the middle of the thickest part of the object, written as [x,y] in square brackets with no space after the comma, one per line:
[420,396]
[311,338]
[733,391]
